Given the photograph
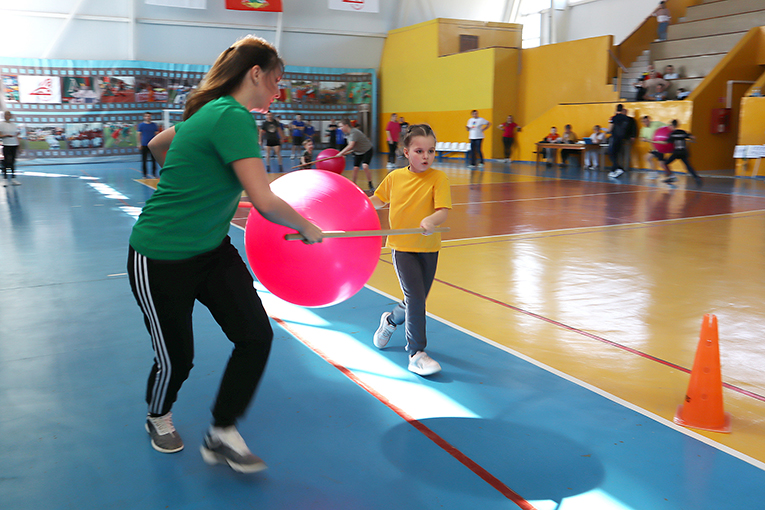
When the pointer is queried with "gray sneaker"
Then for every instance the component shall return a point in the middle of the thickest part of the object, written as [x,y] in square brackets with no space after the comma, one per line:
[164,437]
[228,447]
[383,333]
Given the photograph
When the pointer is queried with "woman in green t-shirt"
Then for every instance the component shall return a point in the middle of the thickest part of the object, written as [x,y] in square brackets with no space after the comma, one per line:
[180,251]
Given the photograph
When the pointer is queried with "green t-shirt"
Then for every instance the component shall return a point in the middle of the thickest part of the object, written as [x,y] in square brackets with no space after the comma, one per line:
[647,132]
[199,192]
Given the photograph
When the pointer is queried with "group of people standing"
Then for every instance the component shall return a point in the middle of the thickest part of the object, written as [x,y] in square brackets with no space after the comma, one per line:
[619,137]
[300,133]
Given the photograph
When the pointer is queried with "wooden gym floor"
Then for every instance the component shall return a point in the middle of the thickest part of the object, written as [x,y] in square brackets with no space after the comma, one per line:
[566,315]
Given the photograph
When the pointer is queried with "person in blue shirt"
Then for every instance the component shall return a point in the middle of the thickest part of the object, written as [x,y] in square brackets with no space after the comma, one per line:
[297,126]
[146,130]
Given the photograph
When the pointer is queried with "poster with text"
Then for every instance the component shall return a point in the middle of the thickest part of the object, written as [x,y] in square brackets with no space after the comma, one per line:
[40,89]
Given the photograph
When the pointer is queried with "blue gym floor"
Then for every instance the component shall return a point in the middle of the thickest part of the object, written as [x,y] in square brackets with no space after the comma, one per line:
[340,424]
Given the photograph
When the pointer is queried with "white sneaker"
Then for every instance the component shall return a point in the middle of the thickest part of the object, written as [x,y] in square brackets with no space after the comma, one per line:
[383,333]
[616,173]
[480,165]
[226,446]
[422,364]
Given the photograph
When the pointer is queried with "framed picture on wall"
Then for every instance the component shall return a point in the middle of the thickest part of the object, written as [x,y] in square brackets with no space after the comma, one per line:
[79,90]
[117,89]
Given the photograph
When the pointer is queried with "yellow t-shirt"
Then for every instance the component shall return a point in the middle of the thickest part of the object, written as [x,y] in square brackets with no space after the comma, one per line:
[412,197]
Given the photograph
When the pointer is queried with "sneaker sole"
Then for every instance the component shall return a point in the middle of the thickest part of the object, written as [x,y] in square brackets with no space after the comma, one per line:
[424,373]
[383,320]
[159,448]
[211,458]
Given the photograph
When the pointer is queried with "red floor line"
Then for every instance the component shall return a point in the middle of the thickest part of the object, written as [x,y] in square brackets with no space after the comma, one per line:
[596,337]
[493,481]
[729,386]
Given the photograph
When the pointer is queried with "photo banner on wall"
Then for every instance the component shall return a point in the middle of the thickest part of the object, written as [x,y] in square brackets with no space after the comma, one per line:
[255,5]
[88,111]
[39,89]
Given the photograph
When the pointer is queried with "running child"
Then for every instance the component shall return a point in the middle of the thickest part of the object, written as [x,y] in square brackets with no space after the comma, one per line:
[419,196]
[678,139]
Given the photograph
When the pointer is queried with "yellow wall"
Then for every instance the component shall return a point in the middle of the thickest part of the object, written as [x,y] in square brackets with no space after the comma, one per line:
[583,117]
[741,63]
[535,85]
[423,87]
[751,132]
[554,74]
[490,35]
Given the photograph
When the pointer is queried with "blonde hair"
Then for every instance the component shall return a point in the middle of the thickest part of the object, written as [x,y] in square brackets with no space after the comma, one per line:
[230,68]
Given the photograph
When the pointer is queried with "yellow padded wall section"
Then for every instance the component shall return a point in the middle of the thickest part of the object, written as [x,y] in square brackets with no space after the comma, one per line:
[569,72]
[421,86]
[751,132]
[584,117]
[741,63]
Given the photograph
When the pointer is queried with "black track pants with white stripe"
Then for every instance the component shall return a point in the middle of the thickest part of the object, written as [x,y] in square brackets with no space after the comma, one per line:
[166,292]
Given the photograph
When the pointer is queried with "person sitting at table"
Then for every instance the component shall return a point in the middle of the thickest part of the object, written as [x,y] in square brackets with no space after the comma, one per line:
[568,137]
[592,153]
[552,137]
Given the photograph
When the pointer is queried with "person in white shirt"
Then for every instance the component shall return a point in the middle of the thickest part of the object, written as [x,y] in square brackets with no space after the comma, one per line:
[9,135]
[592,154]
[670,73]
[663,16]
[476,126]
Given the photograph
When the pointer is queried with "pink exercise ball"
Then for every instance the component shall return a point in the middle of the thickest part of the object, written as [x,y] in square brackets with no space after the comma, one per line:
[336,165]
[661,140]
[320,274]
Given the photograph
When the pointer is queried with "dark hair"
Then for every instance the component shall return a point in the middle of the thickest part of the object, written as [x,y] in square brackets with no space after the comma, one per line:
[230,68]
[619,107]
[568,126]
[675,123]
[417,130]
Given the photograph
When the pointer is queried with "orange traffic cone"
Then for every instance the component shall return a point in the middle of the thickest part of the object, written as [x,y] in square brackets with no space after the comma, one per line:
[703,406]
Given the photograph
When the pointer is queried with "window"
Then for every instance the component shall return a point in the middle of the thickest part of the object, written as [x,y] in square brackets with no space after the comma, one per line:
[530,16]
[468,42]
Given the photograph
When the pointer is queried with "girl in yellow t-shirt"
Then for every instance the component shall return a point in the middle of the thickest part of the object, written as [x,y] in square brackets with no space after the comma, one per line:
[419,196]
